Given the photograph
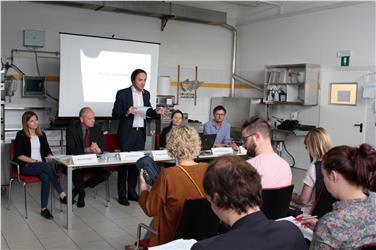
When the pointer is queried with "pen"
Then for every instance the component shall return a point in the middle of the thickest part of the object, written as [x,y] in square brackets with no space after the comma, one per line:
[305,217]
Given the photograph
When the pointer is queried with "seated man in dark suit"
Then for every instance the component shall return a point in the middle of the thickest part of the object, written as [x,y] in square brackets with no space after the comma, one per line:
[86,137]
[233,188]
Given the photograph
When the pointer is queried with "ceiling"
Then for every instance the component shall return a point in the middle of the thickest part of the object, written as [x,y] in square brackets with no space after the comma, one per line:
[235,13]
[254,11]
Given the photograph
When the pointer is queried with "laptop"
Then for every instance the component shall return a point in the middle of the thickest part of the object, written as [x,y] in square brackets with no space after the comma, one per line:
[207,141]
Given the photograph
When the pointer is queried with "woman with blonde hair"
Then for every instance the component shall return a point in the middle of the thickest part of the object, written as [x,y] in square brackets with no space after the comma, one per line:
[174,185]
[31,150]
[317,143]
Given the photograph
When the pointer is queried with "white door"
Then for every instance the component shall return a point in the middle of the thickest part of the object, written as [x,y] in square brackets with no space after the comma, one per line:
[345,124]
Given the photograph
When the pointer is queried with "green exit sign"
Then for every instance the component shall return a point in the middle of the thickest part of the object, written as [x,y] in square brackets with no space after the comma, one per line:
[345,61]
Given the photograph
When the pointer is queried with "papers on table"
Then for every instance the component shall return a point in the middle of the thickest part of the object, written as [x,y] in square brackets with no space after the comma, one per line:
[59,157]
[176,244]
[242,150]
[222,151]
[307,233]
[159,155]
[131,156]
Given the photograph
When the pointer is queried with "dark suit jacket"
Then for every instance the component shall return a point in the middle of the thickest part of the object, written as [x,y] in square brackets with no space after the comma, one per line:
[124,100]
[23,147]
[255,231]
[75,138]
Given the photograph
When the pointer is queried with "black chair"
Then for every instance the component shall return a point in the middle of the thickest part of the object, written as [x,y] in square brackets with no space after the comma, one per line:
[370,246]
[197,221]
[323,203]
[276,201]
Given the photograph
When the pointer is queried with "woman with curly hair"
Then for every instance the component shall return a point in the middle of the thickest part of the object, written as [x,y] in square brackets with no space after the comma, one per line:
[174,185]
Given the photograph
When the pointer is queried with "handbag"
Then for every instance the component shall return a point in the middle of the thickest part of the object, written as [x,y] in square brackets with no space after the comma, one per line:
[151,169]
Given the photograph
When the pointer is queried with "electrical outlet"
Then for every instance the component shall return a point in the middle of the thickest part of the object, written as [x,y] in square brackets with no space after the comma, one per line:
[294,115]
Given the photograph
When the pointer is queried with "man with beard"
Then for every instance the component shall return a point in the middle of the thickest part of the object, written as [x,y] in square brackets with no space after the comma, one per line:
[275,172]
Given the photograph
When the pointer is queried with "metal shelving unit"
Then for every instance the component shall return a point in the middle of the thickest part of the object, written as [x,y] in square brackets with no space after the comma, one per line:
[292,84]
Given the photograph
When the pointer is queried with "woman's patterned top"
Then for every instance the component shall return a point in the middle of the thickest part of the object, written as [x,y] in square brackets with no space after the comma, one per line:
[351,224]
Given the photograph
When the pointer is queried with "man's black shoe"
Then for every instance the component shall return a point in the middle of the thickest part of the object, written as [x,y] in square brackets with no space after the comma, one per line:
[46,214]
[81,200]
[133,198]
[123,201]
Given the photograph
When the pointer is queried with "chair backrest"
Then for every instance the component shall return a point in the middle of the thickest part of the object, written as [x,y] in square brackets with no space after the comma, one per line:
[323,203]
[275,202]
[197,221]
[13,149]
[370,246]
[111,142]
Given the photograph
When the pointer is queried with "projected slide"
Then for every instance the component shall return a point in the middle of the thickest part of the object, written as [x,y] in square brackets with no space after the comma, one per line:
[104,75]
[93,69]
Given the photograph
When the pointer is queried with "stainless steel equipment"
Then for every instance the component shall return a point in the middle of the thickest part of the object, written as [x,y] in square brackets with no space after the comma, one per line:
[166,100]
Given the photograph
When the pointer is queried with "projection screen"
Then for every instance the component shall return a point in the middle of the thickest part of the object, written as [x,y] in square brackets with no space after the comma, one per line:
[93,69]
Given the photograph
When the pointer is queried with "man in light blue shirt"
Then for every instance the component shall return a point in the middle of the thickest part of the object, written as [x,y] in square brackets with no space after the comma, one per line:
[219,126]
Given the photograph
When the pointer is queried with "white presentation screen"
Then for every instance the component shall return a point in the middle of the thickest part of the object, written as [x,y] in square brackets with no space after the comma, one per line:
[93,69]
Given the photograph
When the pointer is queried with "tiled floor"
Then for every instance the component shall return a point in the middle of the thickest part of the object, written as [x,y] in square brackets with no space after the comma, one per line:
[94,226]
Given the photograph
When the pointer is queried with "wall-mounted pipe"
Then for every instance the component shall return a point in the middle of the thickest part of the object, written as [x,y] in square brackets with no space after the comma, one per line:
[178,86]
[252,84]
[12,51]
[234,51]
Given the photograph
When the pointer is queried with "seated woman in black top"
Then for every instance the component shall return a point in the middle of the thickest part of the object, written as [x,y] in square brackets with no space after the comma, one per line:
[31,149]
[176,118]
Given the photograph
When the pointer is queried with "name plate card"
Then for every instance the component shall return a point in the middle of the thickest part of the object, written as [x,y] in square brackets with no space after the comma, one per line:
[84,159]
[131,156]
[160,155]
[222,151]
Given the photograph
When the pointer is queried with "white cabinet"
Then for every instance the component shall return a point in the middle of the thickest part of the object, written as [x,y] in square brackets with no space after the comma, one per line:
[291,84]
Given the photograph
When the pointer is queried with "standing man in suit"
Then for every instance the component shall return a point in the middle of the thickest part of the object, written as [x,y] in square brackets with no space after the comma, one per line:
[233,188]
[86,137]
[132,107]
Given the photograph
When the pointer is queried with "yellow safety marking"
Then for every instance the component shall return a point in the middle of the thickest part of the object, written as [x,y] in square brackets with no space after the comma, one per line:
[221,85]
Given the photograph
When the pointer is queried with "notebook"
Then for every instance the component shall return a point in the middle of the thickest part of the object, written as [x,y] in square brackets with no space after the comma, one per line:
[207,141]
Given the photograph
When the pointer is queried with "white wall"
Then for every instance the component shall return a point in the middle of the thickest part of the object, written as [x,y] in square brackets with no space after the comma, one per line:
[310,38]
[187,44]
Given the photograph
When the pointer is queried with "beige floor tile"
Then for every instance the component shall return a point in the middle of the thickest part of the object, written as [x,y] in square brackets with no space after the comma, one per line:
[100,245]
[55,241]
[29,244]
[85,237]
[25,235]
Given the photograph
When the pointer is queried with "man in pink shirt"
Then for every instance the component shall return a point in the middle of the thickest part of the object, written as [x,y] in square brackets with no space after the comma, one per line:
[275,172]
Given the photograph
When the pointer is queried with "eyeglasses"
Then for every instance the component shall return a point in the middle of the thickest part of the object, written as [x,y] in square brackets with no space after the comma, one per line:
[219,114]
[244,139]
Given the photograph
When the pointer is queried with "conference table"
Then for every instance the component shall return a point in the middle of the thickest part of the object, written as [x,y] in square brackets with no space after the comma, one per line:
[106,160]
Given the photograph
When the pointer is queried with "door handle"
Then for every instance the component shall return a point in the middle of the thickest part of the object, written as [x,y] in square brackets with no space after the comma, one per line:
[360,125]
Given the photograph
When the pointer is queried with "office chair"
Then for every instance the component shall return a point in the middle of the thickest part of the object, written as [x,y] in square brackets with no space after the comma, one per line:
[22,179]
[275,202]
[197,221]
[323,203]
